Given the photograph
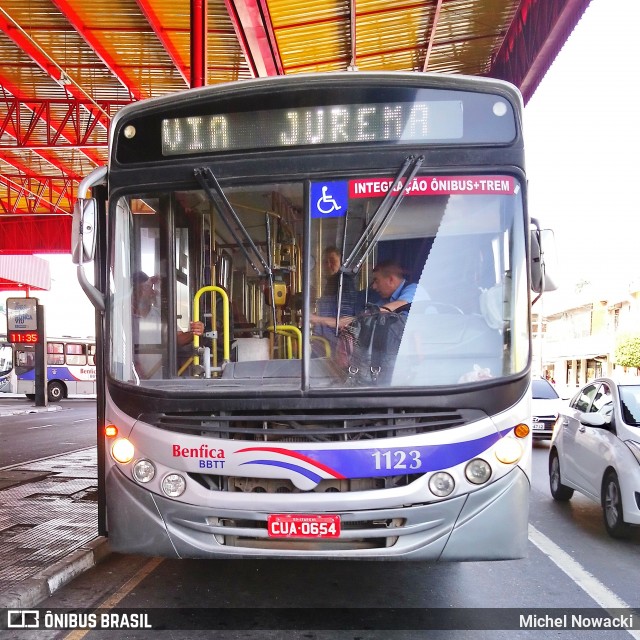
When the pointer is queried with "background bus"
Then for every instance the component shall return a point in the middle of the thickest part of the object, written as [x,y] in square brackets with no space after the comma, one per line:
[7,374]
[290,429]
[71,368]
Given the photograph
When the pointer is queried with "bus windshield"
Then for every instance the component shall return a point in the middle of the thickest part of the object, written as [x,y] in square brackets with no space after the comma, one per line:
[320,283]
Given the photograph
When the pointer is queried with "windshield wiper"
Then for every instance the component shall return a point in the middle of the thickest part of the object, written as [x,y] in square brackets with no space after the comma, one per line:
[227,214]
[381,217]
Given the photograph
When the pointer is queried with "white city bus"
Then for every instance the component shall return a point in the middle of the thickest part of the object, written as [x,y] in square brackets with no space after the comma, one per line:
[71,368]
[7,374]
[308,420]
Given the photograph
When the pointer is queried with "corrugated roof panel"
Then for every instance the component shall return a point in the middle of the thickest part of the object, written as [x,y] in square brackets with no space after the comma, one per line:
[127,49]
[391,36]
[226,61]
[51,34]
[328,49]
[19,70]
[468,33]
[29,270]
[129,41]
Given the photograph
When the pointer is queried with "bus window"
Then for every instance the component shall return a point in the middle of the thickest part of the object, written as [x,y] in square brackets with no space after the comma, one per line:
[6,355]
[76,354]
[25,358]
[55,353]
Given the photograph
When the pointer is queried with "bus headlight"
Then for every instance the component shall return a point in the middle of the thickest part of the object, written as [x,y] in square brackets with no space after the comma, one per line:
[174,485]
[508,450]
[144,471]
[477,471]
[122,450]
[441,484]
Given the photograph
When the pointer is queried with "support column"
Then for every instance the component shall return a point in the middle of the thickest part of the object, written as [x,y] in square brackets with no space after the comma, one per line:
[198,43]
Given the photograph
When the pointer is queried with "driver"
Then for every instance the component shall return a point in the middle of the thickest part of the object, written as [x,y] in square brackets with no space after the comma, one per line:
[390,284]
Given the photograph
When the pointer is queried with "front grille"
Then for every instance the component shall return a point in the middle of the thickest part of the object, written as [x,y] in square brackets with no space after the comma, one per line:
[313,426]
[270,485]
[361,534]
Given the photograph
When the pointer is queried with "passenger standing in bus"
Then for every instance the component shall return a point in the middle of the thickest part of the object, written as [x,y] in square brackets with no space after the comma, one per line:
[147,329]
[327,304]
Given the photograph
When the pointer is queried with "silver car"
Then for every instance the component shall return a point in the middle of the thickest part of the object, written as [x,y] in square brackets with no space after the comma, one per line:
[596,450]
[545,405]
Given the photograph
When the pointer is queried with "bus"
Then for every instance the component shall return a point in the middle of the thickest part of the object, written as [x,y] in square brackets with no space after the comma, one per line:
[71,368]
[7,374]
[270,431]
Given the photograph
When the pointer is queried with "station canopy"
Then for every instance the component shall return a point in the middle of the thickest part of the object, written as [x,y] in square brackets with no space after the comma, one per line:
[24,273]
[67,66]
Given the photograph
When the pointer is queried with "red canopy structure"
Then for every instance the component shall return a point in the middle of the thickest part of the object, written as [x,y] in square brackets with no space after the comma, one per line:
[66,68]
[24,273]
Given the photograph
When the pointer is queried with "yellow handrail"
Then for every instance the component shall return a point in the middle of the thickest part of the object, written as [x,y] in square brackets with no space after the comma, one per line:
[226,349]
[327,345]
[286,330]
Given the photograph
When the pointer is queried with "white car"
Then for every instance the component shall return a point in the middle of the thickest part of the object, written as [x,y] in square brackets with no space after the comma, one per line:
[545,405]
[596,450]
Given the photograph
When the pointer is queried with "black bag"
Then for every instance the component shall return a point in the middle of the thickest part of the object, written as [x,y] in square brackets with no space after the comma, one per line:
[369,345]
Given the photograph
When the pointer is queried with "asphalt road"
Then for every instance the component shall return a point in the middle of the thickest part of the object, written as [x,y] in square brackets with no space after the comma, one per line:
[39,435]
[572,565]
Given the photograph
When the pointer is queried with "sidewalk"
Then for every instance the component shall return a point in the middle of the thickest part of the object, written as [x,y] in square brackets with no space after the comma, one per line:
[48,522]
[14,404]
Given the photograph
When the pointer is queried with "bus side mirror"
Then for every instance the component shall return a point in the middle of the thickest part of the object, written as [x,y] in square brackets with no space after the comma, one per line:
[544,261]
[83,231]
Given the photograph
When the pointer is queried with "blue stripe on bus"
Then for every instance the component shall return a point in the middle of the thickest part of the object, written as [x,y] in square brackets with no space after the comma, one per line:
[379,461]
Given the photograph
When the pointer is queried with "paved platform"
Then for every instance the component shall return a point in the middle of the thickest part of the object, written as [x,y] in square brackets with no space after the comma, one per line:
[48,526]
[13,404]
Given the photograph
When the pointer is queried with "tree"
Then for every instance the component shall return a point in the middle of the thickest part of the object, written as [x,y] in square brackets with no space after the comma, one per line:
[628,351]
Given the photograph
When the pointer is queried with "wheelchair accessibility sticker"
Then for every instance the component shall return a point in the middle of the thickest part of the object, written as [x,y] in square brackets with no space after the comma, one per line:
[329,199]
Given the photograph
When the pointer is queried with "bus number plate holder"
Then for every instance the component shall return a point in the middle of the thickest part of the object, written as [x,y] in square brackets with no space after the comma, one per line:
[286,525]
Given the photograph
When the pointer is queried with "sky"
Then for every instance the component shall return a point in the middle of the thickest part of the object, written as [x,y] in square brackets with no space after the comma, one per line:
[581,130]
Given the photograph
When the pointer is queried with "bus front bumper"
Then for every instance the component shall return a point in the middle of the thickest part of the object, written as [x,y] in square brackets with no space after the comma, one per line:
[488,524]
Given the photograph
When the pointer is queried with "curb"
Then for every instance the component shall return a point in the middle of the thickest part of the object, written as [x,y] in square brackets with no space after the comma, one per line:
[24,410]
[30,592]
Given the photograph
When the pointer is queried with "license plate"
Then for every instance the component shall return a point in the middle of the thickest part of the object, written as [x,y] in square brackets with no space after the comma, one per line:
[538,425]
[284,525]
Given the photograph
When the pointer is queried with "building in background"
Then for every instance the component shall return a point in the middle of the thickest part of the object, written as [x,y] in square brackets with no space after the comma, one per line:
[576,340]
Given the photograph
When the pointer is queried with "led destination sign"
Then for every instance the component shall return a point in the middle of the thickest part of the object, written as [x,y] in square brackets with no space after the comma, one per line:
[395,122]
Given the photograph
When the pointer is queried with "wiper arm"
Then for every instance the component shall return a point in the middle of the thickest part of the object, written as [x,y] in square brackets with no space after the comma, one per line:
[226,210]
[381,217]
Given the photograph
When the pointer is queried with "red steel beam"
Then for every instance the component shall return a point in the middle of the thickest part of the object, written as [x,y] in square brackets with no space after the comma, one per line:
[18,93]
[68,132]
[129,83]
[432,34]
[51,68]
[538,31]
[25,195]
[198,18]
[26,235]
[11,159]
[161,33]
[254,29]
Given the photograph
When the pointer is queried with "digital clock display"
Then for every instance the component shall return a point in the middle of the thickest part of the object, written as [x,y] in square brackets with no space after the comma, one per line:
[23,337]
